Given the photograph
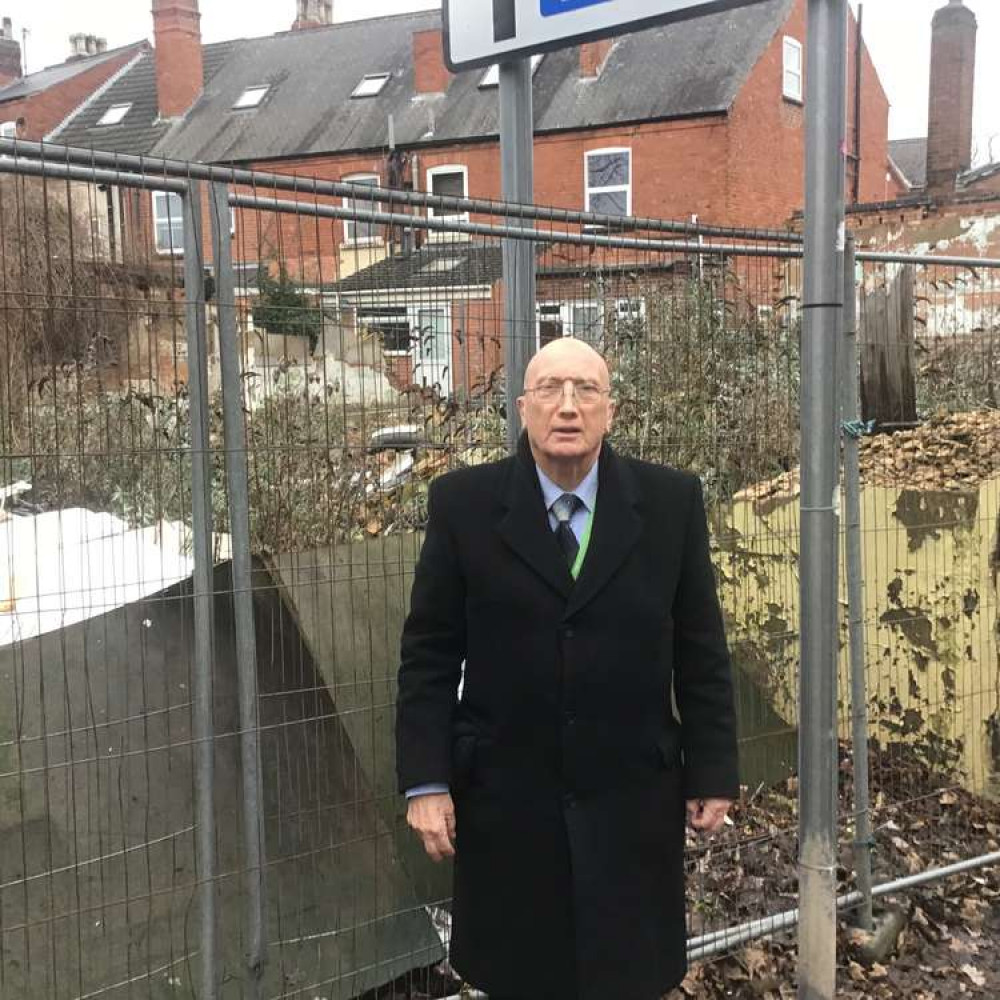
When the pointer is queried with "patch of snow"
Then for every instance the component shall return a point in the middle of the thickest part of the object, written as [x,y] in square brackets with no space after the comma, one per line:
[62,567]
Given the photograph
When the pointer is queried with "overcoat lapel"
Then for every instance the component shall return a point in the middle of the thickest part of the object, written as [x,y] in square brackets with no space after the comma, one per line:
[525,525]
[617,526]
[616,529]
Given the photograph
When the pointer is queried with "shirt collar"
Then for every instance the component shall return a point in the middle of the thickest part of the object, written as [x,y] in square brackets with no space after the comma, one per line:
[586,490]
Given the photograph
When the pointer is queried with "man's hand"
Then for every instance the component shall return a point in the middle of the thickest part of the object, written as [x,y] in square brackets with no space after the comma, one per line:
[707,815]
[433,818]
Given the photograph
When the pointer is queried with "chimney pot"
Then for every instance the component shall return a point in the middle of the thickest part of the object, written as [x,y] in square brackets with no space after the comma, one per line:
[180,70]
[8,28]
[430,75]
[949,112]
[313,14]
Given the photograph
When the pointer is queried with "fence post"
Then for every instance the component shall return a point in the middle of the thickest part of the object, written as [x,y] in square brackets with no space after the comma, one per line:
[855,593]
[517,159]
[201,522]
[823,291]
[237,486]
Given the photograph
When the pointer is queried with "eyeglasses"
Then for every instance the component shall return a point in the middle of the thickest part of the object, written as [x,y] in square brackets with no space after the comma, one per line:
[552,389]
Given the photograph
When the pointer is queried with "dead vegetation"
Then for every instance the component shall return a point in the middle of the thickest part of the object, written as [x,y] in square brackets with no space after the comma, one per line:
[953,452]
[922,819]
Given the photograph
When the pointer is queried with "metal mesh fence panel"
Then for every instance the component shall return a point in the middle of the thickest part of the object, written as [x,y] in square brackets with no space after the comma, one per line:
[181,751]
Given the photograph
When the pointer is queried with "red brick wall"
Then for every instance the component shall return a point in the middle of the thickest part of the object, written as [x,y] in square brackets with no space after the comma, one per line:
[949,125]
[592,56]
[480,324]
[745,168]
[42,112]
[430,75]
[179,66]
[662,153]
[874,185]
[766,143]
[989,185]
[951,228]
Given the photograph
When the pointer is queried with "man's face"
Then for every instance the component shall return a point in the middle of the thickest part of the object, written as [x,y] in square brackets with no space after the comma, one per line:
[563,424]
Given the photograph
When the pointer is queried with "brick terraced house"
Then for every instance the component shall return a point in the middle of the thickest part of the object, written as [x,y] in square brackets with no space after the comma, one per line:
[704,119]
[37,105]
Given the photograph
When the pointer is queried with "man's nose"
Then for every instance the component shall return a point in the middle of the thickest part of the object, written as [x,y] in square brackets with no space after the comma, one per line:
[567,401]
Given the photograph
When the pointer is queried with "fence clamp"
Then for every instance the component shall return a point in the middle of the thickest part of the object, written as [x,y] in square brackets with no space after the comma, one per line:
[857,428]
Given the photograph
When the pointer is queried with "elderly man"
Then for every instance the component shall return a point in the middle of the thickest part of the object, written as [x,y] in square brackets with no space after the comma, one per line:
[576,587]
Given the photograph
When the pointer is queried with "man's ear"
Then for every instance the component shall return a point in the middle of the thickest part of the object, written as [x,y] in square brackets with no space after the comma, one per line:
[520,407]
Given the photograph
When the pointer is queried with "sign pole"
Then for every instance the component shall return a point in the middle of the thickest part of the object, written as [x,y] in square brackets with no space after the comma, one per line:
[823,297]
[517,175]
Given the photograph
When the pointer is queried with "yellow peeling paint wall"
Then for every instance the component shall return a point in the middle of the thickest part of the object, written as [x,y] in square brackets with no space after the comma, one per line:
[932,630]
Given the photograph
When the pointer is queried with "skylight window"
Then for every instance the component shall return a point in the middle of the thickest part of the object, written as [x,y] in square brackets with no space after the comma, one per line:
[441,264]
[115,114]
[371,85]
[252,96]
[491,78]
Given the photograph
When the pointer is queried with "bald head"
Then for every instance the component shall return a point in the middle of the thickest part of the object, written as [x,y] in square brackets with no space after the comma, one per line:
[568,351]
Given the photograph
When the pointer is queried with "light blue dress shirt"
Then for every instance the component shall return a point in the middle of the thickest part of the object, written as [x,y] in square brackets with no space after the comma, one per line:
[587,493]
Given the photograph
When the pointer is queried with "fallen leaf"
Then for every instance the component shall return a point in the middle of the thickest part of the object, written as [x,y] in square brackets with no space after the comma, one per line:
[755,960]
[977,977]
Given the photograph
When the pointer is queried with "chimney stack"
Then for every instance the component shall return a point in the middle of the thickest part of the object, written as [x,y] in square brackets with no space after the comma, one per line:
[313,14]
[949,113]
[180,71]
[430,75]
[10,53]
[593,56]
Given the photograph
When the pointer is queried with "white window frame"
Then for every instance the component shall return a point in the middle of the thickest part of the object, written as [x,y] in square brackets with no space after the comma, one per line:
[115,114]
[252,97]
[348,202]
[607,189]
[175,220]
[792,75]
[565,309]
[370,85]
[8,130]
[394,314]
[432,172]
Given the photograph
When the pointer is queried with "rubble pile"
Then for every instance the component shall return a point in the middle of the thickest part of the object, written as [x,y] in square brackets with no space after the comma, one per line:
[957,451]
[952,452]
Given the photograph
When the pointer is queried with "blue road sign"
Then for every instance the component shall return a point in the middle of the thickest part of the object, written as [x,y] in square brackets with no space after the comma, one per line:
[550,7]
[480,32]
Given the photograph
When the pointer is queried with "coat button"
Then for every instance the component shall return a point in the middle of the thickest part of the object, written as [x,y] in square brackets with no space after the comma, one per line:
[568,633]
[570,718]
[569,800]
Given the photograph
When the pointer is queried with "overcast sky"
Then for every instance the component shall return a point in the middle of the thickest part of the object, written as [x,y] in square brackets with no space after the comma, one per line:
[898,34]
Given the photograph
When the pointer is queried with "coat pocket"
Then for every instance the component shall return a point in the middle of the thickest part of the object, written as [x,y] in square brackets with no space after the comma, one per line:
[668,746]
[463,761]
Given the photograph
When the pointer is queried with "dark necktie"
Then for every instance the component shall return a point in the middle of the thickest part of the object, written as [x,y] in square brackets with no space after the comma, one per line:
[564,508]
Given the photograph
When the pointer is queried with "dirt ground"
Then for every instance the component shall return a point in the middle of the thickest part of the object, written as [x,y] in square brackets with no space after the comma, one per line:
[950,945]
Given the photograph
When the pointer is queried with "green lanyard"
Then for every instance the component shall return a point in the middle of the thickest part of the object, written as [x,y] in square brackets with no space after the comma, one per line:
[584,542]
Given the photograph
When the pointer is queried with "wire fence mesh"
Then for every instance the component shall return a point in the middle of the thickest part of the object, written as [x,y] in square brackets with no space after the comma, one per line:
[367,339]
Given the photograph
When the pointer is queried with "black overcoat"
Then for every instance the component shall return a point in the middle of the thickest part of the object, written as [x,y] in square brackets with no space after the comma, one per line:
[567,763]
